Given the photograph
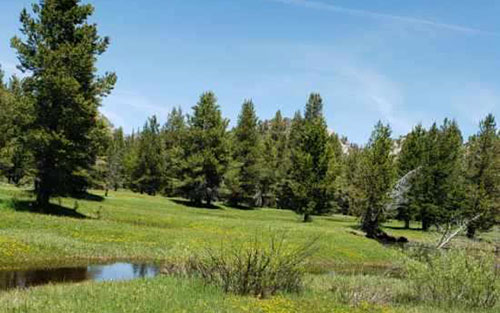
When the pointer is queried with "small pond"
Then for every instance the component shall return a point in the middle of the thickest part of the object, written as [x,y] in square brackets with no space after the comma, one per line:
[99,272]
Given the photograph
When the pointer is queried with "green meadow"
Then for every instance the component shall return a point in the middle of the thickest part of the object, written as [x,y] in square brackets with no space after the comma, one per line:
[129,226]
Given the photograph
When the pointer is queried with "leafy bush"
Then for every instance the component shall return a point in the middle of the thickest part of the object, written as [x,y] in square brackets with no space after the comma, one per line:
[256,269]
[455,278]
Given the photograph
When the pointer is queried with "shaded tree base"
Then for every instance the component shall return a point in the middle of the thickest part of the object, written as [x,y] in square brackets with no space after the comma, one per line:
[193,204]
[385,238]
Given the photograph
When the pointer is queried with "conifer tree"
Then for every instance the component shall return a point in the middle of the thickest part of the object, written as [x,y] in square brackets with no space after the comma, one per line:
[308,188]
[15,117]
[378,175]
[130,157]
[149,171]
[6,126]
[483,178]
[59,52]
[102,137]
[351,180]
[275,156]
[411,158]
[206,152]
[174,134]
[247,158]
[335,173]
[440,183]
[115,158]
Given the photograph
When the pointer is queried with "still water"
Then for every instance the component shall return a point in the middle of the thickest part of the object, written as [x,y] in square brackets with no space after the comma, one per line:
[101,272]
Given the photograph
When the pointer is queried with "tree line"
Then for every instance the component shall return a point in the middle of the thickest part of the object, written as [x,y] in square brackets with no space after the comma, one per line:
[53,137]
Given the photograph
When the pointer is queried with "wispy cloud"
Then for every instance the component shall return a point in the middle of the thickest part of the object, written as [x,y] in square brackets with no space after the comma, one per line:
[130,109]
[380,94]
[137,101]
[376,15]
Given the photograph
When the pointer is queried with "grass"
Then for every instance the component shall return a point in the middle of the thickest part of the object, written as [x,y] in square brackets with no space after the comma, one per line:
[133,226]
[128,226]
[171,294]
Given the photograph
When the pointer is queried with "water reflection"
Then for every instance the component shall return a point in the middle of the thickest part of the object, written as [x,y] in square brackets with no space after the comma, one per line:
[107,272]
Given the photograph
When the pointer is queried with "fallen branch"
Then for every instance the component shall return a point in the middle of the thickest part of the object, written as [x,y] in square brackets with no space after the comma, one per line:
[447,237]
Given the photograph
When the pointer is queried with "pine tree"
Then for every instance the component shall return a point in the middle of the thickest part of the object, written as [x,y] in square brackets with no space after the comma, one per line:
[206,153]
[483,177]
[411,158]
[440,183]
[6,124]
[60,53]
[15,117]
[130,157]
[149,171]
[115,157]
[335,173]
[378,173]
[275,153]
[308,189]
[247,159]
[102,138]
[174,134]
[351,179]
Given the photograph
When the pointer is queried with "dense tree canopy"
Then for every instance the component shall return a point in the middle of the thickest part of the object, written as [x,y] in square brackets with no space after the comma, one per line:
[308,189]
[378,173]
[483,177]
[53,137]
[206,154]
[59,51]
[244,177]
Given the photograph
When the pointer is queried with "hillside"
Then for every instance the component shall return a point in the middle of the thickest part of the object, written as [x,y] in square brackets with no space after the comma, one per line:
[132,227]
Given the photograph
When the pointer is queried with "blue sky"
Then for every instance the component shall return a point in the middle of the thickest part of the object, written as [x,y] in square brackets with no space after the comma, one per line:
[403,62]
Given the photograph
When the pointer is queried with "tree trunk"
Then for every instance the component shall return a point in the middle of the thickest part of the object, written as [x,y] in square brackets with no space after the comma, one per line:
[407,223]
[471,231]
[42,198]
[307,218]
[425,224]
[371,231]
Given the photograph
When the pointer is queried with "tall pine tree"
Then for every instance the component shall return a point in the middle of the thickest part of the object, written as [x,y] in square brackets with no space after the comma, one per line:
[378,173]
[59,52]
[308,189]
[149,171]
[16,115]
[174,133]
[247,159]
[115,159]
[206,153]
[439,183]
[483,178]
[410,158]
[275,153]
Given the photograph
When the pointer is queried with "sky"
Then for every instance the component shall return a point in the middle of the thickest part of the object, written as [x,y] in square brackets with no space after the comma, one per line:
[402,62]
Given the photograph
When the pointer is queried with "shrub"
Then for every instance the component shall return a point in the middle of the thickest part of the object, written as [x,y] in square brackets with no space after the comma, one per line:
[255,269]
[361,289]
[455,278]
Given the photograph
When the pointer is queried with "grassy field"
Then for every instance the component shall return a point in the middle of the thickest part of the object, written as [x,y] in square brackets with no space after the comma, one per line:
[127,226]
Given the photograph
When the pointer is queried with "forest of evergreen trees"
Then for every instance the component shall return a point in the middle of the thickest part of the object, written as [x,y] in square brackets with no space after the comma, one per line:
[52,137]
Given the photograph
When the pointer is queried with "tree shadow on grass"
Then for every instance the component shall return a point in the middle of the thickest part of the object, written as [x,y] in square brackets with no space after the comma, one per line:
[401,228]
[52,209]
[240,207]
[89,197]
[382,237]
[192,204]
